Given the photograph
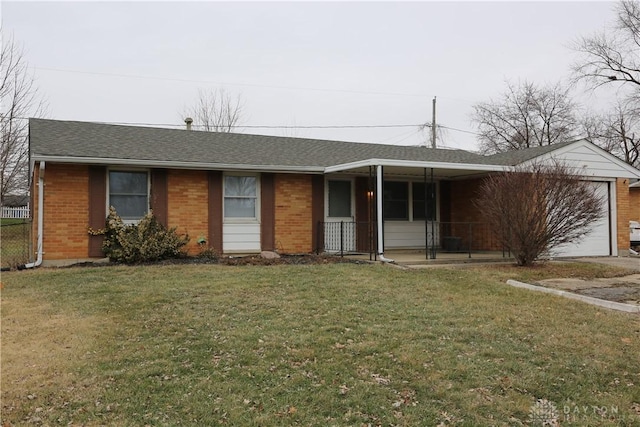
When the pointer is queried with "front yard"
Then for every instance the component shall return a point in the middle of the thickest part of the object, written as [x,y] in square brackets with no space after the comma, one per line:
[335,344]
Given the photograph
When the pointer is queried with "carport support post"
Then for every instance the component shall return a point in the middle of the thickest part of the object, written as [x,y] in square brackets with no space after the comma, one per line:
[379,210]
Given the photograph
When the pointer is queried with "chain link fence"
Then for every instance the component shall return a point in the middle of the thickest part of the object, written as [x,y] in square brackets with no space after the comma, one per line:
[15,242]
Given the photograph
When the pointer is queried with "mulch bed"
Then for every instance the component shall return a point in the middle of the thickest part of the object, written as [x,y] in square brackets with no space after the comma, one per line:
[302,259]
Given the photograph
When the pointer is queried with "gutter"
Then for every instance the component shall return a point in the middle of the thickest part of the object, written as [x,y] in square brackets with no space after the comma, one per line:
[148,163]
[38,260]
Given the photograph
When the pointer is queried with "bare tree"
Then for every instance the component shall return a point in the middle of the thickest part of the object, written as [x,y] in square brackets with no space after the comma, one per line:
[617,132]
[526,115]
[612,56]
[19,100]
[538,207]
[216,111]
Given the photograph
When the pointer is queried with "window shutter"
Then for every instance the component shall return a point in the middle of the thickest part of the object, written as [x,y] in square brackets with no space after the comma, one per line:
[317,212]
[159,196]
[267,211]
[215,210]
[97,207]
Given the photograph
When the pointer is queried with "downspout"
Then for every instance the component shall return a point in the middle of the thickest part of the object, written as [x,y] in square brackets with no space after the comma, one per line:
[40,216]
[379,215]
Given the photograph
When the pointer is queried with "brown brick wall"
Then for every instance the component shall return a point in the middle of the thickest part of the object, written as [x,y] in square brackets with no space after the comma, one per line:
[634,204]
[66,217]
[624,213]
[293,218]
[188,205]
[462,210]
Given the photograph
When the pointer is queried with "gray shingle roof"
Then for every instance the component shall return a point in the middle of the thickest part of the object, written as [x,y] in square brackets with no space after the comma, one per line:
[95,140]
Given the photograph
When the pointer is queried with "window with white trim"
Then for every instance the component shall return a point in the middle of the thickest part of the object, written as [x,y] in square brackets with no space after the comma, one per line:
[129,194]
[240,197]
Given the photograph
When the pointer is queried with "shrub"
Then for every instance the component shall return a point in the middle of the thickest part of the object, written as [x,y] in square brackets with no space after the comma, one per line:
[148,240]
[538,207]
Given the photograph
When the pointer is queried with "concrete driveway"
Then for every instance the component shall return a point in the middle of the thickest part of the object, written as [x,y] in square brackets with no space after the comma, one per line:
[624,289]
[630,262]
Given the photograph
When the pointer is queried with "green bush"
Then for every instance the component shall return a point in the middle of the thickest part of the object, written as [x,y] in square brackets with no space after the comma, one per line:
[148,240]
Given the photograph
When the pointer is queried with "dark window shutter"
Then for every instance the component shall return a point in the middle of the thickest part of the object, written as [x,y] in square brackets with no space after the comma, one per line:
[159,196]
[267,211]
[97,207]
[215,210]
[317,212]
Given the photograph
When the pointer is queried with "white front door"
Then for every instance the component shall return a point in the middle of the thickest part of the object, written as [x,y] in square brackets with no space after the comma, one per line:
[340,226]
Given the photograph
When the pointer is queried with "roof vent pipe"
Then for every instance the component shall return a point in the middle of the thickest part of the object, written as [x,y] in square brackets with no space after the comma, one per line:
[188,121]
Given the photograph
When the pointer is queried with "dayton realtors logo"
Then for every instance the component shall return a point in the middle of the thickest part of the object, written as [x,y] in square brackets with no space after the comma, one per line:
[543,414]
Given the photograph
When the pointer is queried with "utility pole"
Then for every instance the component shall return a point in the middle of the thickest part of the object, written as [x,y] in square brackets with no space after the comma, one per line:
[433,125]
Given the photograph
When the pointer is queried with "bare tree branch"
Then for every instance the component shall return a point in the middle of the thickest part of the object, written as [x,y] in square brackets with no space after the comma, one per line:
[525,116]
[617,132]
[612,57]
[539,207]
[216,111]
[19,100]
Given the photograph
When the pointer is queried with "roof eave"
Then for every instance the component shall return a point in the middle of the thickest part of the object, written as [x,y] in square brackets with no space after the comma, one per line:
[176,164]
[631,171]
[415,164]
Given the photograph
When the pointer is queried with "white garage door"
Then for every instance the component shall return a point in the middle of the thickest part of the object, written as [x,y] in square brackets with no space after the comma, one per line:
[597,242]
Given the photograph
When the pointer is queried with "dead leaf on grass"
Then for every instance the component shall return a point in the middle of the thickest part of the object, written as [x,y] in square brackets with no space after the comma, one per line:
[380,380]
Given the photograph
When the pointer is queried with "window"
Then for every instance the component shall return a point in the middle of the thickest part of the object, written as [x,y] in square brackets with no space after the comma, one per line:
[240,196]
[396,200]
[418,193]
[339,199]
[129,194]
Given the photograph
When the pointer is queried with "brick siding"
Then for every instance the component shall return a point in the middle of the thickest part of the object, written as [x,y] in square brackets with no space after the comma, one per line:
[188,206]
[66,201]
[624,213]
[294,226]
[463,210]
[634,204]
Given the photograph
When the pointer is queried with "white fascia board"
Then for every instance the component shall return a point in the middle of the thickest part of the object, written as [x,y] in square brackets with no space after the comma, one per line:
[415,164]
[178,165]
[635,185]
[632,172]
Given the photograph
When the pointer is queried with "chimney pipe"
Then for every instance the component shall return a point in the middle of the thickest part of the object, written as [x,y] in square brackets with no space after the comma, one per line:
[188,121]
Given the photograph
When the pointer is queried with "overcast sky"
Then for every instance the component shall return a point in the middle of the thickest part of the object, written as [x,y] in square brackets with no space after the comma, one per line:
[297,63]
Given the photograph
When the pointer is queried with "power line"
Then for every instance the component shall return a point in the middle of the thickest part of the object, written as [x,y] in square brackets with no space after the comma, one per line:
[459,130]
[274,126]
[134,76]
[174,125]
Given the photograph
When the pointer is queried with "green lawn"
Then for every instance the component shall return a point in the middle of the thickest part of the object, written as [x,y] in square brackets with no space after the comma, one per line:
[336,344]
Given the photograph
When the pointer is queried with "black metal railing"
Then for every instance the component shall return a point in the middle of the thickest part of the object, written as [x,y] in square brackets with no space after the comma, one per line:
[463,237]
[350,237]
[346,237]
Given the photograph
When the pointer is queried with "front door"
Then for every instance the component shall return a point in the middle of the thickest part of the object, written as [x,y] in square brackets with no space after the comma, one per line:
[340,226]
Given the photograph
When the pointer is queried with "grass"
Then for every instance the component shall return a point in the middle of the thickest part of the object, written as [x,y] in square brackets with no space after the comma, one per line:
[336,344]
